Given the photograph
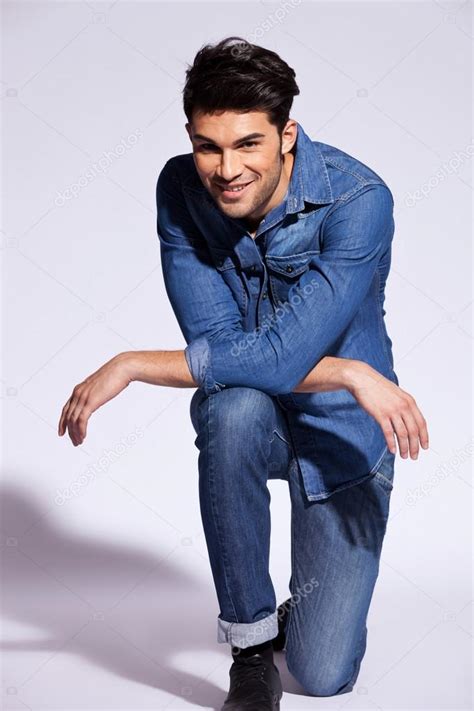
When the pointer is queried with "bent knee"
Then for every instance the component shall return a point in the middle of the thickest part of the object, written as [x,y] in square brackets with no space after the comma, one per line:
[239,408]
[321,681]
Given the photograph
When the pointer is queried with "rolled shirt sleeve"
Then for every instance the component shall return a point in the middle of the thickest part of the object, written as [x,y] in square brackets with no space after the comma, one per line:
[197,355]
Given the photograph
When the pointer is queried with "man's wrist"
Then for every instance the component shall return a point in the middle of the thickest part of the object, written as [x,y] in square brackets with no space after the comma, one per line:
[354,374]
[129,361]
[166,368]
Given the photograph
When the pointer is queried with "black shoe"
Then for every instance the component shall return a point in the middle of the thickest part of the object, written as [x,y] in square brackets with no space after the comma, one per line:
[255,683]
[282,613]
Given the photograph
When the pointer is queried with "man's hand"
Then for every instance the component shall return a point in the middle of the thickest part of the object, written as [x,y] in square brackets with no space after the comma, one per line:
[88,396]
[394,409]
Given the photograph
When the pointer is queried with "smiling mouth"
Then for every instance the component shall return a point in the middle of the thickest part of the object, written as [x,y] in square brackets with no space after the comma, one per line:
[233,190]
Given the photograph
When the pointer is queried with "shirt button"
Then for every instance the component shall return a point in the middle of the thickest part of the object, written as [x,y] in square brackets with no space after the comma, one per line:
[264,295]
[253,268]
[289,268]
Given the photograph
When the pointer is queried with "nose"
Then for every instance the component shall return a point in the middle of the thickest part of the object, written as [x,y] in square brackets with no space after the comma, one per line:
[230,166]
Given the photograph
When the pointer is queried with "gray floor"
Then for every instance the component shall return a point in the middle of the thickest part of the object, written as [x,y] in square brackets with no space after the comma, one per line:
[91,624]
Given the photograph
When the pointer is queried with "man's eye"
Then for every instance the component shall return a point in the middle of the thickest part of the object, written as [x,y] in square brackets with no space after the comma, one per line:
[211,147]
[206,146]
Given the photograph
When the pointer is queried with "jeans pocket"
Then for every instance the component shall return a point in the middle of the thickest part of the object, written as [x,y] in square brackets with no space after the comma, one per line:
[384,474]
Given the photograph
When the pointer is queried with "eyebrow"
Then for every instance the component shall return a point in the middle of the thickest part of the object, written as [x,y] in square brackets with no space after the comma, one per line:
[200,136]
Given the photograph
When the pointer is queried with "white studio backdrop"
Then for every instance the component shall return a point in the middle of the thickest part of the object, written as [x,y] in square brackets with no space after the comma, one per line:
[108,600]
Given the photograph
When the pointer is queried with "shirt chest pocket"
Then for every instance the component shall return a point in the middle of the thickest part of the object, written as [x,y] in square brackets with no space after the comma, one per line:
[285,271]
[226,264]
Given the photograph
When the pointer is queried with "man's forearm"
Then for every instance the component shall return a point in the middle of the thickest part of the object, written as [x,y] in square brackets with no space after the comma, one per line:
[170,368]
[330,373]
[395,410]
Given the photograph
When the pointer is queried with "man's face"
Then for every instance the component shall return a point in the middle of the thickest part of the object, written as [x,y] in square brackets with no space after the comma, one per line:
[234,150]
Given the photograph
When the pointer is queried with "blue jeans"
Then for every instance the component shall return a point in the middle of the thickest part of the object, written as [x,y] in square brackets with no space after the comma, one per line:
[243,441]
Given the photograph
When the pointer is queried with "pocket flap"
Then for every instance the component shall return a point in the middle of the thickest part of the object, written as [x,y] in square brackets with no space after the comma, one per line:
[222,259]
[290,264]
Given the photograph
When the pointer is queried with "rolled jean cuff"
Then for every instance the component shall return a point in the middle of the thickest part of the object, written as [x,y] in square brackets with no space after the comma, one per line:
[243,634]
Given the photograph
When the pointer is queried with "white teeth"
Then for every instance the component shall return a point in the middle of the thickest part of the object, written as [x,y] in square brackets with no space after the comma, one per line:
[235,190]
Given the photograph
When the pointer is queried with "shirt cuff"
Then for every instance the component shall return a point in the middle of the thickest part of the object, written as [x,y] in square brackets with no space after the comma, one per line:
[198,355]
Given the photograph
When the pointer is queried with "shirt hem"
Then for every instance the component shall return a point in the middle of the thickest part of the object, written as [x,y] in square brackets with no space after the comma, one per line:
[353,482]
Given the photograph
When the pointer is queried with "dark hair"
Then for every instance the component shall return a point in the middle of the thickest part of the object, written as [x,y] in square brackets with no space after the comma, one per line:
[238,76]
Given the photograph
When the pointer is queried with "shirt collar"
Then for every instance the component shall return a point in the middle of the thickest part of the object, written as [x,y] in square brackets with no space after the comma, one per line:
[309,183]
[309,180]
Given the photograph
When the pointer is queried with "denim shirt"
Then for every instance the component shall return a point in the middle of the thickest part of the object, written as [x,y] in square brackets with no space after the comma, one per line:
[261,312]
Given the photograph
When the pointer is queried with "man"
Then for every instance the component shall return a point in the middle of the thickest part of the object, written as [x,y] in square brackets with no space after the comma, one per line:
[275,253]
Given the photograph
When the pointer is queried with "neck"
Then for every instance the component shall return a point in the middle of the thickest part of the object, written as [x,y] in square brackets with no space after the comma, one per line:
[277,197]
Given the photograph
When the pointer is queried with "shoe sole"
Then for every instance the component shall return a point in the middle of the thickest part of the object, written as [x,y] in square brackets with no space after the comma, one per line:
[276,703]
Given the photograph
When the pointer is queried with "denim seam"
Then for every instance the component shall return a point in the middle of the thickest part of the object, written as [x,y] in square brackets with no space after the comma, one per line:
[359,177]
[281,437]
[242,290]
[386,483]
[245,302]
[345,196]
[379,461]
[318,476]
[213,502]
[298,464]
[358,189]
[380,319]
[288,621]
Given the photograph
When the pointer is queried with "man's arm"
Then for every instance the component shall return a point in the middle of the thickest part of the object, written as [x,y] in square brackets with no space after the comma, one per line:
[202,301]
[207,312]
[203,304]
[169,368]
[276,359]
[395,410]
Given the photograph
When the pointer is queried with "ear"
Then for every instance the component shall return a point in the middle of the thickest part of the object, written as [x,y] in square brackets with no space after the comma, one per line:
[289,136]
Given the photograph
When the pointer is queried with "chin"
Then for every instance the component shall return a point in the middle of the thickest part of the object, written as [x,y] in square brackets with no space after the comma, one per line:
[234,210]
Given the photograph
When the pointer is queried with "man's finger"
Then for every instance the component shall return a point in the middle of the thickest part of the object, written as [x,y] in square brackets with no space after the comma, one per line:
[82,423]
[422,428]
[389,435]
[402,435]
[69,416]
[74,420]
[412,429]
[62,420]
